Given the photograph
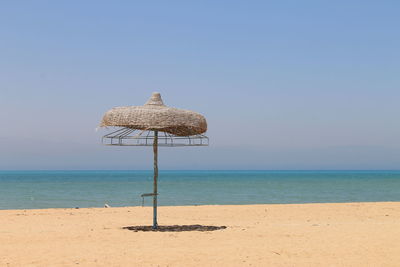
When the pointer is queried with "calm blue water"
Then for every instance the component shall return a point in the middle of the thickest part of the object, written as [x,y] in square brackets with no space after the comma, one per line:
[66,189]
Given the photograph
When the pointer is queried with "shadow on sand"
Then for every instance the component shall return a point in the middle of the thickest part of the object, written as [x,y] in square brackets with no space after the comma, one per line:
[174,228]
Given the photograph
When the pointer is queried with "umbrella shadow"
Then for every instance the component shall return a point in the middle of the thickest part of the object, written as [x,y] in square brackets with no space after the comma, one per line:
[174,228]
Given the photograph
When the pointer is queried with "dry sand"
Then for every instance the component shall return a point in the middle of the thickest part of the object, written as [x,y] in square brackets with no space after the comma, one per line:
[352,234]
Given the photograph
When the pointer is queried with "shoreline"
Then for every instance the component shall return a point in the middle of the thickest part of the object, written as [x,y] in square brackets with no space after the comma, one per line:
[203,205]
[312,234]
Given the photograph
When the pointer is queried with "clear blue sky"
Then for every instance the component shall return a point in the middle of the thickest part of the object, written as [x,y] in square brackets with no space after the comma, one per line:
[283,84]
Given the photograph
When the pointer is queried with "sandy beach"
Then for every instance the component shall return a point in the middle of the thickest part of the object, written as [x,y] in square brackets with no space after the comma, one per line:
[349,234]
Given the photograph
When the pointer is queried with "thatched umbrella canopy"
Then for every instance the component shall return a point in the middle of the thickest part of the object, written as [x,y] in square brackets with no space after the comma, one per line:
[157,117]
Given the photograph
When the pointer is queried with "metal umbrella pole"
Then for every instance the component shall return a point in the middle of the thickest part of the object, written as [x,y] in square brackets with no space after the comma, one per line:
[155,152]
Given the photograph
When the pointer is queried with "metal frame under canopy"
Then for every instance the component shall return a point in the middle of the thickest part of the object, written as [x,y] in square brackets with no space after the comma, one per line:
[131,137]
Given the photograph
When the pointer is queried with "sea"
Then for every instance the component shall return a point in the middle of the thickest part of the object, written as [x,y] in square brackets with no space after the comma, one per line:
[79,189]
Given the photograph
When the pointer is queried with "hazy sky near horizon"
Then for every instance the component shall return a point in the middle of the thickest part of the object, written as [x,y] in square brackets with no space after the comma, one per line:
[283,84]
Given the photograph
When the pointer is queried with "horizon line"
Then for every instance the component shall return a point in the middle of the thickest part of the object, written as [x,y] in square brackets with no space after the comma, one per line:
[5,170]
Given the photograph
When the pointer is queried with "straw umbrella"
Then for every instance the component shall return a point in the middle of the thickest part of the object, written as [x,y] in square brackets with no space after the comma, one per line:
[154,124]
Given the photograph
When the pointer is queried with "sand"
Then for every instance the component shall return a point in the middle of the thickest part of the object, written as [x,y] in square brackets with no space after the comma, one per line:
[352,234]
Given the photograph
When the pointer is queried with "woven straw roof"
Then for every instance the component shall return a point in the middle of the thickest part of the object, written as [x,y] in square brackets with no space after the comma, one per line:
[156,116]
